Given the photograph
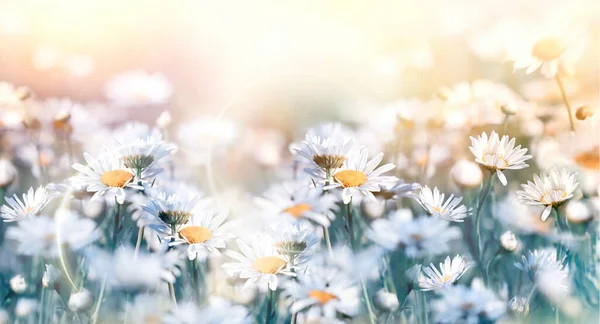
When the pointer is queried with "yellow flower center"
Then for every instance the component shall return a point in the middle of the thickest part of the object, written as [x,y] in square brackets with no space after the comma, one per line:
[417,237]
[439,210]
[298,210]
[350,178]
[152,319]
[589,159]
[548,49]
[28,209]
[116,178]
[268,264]
[329,162]
[322,296]
[467,306]
[445,279]
[499,158]
[547,197]
[196,234]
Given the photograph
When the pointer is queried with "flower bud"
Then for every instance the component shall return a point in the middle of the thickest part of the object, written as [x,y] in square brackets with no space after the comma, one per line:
[25,307]
[8,173]
[51,276]
[509,109]
[23,93]
[466,174]
[80,301]
[164,120]
[519,305]
[509,241]
[386,301]
[584,112]
[4,317]
[31,123]
[18,284]
[577,211]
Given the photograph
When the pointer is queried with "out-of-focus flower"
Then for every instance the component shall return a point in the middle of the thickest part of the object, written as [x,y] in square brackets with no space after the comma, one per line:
[8,173]
[521,218]
[497,154]
[106,175]
[204,234]
[360,176]
[260,262]
[578,212]
[297,200]
[466,174]
[519,305]
[51,276]
[80,301]
[172,209]
[32,204]
[144,154]
[434,204]
[468,305]
[216,311]
[450,271]
[584,112]
[164,120]
[217,135]
[44,236]
[398,190]
[322,293]
[541,261]
[295,241]
[4,317]
[550,189]
[18,284]
[138,89]
[26,307]
[386,301]
[509,241]
[148,309]
[423,236]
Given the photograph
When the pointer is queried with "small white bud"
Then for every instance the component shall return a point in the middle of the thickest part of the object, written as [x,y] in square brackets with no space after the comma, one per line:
[466,174]
[509,241]
[26,307]
[164,120]
[18,284]
[51,276]
[519,305]
[80,301]
[8,173]
[93,208]
[374,209]
[4,317]
[577,211]
[386,301]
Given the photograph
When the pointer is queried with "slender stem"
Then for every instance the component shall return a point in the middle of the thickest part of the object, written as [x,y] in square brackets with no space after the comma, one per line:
[505,123]
[269,306]
[99,302]
[327,240]
[43,306]
[172,293]
[556,315]
[292,266]
[116,227]
[479,207]
[350,224]
[425,311]
[196,277]
[367,300]
[533,289]
[563,93]
[138,243]
[560,221]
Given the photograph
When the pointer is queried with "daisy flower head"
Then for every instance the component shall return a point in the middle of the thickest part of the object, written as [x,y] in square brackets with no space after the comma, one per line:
[297,200]
[144,154]
[497,154]
[218,310]
[540,261]
[204,234]
[450,271]
[147,308]
[434,204]
[133,131]
[360,176]
[105,175]
[398,190]
[44,236]
[259,262]
[138,89]
[419,237]
[323,294]
[550,189]
[295,241]
[461,304]
[31,205]
[171,209]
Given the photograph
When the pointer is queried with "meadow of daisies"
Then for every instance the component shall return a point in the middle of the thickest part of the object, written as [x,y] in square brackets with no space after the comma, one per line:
[476,203]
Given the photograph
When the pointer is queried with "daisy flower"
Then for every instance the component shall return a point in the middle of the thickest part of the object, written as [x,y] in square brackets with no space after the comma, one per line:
[297,200]
[44,236]
[105,175]
[461,304]
[359,177]
[323,294]
[144,154]
[544,260]
[294,241]
[398,190]
[138,89]
[171,209]
[550,189]
[32,204]
[218,310]
[450,271]
[260,263]
[204,234]
[147,308]
[422,236]
[449,210]
[497,154]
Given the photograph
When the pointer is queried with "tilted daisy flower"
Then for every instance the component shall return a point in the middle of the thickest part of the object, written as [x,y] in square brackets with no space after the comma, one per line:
[550,189]
[171,209]
[295,241]
[297,200]
[497,154]
[325,148]
[44,236]
[204,234]
[360,176]
[419,237]
[450,210]
[32,204]
[144,154]
[545,260]
[218,310]
[450,271]
[461,304]
[106,175]
[138,89]
[323,294]
[260,262]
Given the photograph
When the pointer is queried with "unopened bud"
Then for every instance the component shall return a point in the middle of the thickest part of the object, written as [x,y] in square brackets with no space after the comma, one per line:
[18,284]
[509,241]
[23,93]
[8,173]
[509,109]
[80,301]
[466,174]
[31,123]
[519,305]
[584,112]
[164,120]
[386,301]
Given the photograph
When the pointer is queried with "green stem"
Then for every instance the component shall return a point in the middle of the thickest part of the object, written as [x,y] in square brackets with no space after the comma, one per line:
[116,226]
[425,311]
[196,277]
[367,300]
[560,221]
[327,240]
[268,316]
[350,224]
[490,184]
[138,243]
[563,93]
[99,302]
